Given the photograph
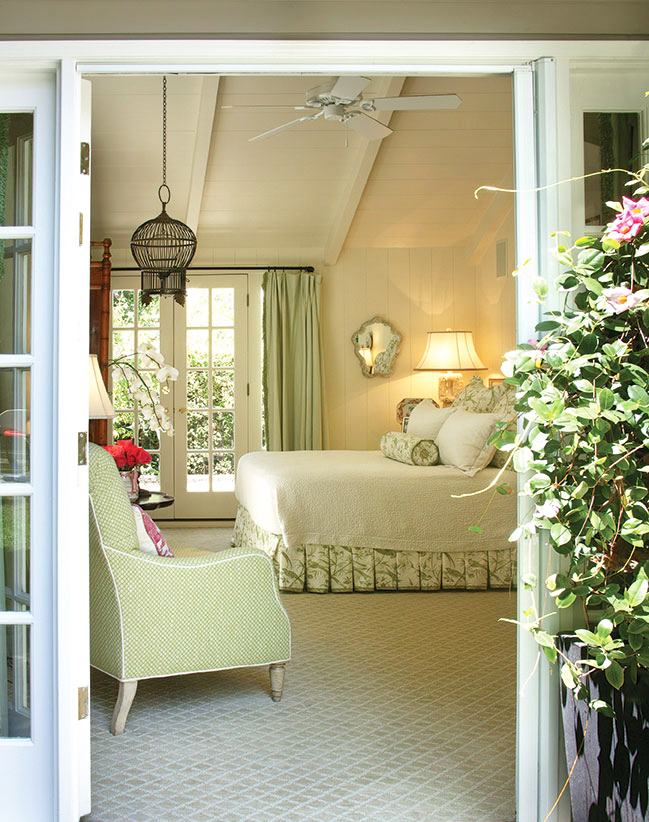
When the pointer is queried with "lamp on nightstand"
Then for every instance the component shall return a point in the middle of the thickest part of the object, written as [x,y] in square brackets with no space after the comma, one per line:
[450,352]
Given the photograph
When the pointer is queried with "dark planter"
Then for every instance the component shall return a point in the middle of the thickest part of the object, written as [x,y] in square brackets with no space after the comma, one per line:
[610,782]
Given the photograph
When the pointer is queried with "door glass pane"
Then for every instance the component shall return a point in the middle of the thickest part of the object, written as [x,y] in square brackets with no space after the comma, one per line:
[611,140]
[15,698]
[198,477]
[14,550]
[134,324]
[197,308]
[14,424]
[16,148]
[15,296]
[223,476]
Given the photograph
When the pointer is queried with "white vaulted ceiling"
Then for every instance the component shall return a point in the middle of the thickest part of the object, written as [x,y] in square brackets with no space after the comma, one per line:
[314,186]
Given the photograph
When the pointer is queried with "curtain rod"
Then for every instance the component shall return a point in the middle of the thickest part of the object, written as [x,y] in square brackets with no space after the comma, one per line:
[308,268]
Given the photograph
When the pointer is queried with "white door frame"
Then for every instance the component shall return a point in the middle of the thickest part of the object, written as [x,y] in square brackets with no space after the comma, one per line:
[243,57]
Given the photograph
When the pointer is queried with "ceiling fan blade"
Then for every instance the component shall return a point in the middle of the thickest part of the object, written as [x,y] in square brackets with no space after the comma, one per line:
[248,107]
[368,126]
[424,101]
[348,88]
[281,128]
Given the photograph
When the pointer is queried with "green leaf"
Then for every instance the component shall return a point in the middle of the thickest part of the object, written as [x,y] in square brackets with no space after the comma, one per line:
[547,325]
[602,707]
[543,638]
[551,653]
[569,676]
[615,675]
[606,399]
[565,600]
[476,529]
[604,627]
[529,581]
[637,592]
[588,637]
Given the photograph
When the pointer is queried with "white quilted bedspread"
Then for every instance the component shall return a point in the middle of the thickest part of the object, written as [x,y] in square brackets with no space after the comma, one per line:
[363,499]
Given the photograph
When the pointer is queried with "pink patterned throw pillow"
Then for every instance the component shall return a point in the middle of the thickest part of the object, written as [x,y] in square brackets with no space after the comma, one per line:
[149,536]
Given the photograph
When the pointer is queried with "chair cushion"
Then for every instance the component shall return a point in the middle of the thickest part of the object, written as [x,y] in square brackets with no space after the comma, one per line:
[110,503]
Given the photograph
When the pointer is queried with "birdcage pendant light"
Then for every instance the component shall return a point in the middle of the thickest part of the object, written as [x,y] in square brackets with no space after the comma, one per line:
[163,247]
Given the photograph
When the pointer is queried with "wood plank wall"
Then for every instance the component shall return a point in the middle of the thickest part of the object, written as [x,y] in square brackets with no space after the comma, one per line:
[418,290]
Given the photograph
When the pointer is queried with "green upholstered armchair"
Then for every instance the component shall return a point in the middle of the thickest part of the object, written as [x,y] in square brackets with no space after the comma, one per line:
[153,616]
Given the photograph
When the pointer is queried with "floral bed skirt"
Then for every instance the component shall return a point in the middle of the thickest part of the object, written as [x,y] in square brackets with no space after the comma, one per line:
[341,568]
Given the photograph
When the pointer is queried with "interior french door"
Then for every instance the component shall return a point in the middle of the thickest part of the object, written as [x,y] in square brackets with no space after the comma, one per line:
[27,623]
[211,402]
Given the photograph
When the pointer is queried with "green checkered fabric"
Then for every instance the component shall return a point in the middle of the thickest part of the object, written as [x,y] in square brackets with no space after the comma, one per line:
[156,616]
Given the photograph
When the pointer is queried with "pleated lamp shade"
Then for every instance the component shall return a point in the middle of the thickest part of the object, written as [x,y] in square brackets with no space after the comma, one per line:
[100,406]
[450,351]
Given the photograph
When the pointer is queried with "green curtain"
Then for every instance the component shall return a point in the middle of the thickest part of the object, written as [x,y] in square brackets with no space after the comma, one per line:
[294,393]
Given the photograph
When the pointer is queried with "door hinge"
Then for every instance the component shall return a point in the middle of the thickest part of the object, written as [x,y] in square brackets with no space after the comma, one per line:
[81,228]
[247,300]
[83,702]
[248,389]
[82,446]
[85,158]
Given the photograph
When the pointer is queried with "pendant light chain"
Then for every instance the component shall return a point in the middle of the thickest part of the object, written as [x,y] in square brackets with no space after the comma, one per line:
[163,247]
[164,131]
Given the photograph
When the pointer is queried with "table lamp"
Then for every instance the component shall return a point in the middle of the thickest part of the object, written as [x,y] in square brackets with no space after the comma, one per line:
[450,352]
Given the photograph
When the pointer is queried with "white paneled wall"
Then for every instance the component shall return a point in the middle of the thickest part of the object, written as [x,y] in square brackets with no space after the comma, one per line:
[418,290]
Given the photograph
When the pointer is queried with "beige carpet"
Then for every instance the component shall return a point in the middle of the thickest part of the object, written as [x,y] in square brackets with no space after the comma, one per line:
[396,709]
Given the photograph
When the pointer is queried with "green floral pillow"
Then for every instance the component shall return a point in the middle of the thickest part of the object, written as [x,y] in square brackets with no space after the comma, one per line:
[496,399]
[409,449]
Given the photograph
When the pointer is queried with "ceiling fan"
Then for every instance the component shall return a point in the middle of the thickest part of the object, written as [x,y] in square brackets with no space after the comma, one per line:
[341,99]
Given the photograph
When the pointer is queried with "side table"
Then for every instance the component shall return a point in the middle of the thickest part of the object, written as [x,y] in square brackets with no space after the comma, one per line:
[155,499]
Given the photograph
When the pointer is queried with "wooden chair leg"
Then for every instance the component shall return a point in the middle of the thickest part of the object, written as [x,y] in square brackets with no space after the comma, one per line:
[276,672]
[125,699]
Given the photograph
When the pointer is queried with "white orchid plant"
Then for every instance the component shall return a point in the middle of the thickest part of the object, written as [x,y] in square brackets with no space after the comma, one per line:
[150,405]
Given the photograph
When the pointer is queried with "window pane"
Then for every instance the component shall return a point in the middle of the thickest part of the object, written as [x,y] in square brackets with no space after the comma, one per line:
[196,302]
[148,316]
[198,477]
[15,711]
[197,389]
[15,553]
[16,144]
[123,309]
[223,474]
[197,431]
[611,140]
[223,385]
[15,296]
[223,429]
[223,348]
[223,306]
[14,425]
[123,427]
[197,342]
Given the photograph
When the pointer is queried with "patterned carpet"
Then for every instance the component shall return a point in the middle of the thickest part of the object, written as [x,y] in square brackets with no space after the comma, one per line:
[395,710]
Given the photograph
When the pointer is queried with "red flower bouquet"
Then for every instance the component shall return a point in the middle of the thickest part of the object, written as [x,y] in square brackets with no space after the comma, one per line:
[127,455]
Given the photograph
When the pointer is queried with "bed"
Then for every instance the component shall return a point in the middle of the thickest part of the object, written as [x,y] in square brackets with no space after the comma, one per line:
[342,521]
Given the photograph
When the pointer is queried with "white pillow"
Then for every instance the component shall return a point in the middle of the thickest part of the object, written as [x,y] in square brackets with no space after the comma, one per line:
[462,440]
[426,419]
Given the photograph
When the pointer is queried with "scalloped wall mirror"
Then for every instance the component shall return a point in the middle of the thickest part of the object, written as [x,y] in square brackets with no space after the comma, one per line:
[376,344]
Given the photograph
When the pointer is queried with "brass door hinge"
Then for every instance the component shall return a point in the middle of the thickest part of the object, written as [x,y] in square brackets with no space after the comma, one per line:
[83,702]
[82,448]
[85,158]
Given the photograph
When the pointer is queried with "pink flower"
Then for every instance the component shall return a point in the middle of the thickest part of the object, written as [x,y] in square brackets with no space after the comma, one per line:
[549,509]
[537,352]
[630,221]
[640,206]
[617,300]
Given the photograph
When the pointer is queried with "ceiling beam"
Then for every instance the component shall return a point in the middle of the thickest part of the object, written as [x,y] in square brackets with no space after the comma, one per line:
[385,87]
[204,127]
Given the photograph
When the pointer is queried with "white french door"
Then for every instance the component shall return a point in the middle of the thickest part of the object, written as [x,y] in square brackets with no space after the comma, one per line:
[211,403]
[27,617]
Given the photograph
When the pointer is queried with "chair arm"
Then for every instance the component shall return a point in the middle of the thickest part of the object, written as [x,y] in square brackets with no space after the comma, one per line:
[186,614]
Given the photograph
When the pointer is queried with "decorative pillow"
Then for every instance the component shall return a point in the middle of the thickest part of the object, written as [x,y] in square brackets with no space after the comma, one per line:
[409,449]
[426,419]
[149,535]
[404,409]
[462,440]
[496,399]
